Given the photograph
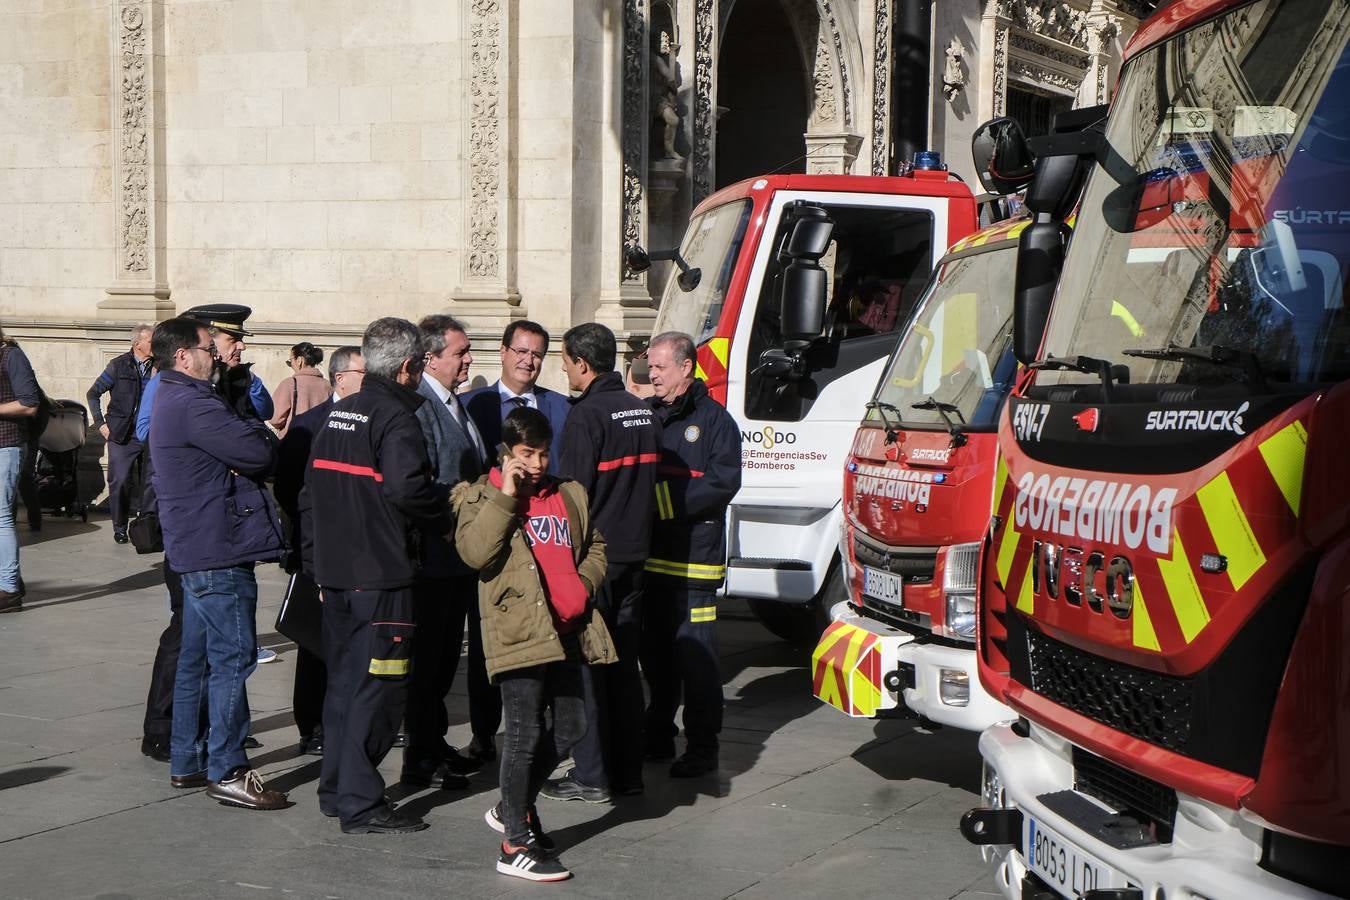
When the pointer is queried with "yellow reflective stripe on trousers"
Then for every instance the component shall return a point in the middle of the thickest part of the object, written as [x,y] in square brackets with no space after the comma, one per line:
[685,570]
[390,666]
[703,614]
[664,508]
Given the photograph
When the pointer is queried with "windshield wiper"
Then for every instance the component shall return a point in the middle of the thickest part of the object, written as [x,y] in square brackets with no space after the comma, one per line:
[1108,373]
[1214,354]
[882,408]
[944,410]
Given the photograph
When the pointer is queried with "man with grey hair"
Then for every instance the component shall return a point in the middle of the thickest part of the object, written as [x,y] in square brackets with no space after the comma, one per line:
[700,472]
[367,494]
[124,381]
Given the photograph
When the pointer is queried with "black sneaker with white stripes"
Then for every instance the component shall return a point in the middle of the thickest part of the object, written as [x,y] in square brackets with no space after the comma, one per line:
[531,863]
[538,836]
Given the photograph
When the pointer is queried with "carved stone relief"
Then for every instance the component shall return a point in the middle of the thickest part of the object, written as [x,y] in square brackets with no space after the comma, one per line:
[634,122]
[881,94]
[484,138]
[134,189]
[705,37]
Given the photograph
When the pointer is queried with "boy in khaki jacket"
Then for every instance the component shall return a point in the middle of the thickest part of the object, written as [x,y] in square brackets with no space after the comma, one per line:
[539,563]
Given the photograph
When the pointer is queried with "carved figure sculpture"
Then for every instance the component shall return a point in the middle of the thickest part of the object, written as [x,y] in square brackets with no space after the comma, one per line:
[665,88]
[953,72]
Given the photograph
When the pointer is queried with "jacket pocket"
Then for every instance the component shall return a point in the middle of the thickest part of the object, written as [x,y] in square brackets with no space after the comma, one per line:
[252,520]
[512,618]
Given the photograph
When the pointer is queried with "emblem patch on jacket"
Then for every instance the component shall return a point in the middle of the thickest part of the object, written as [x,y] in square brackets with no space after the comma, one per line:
[692,433]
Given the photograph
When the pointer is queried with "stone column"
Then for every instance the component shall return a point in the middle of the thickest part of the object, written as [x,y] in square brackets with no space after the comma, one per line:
[626,307]
[705,99]
[993,60]
[1102,28]
[831,153]
[486,297]
[882,25]
[139,289]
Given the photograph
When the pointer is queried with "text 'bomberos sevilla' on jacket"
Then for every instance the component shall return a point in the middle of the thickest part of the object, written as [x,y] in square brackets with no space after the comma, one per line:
[1096,511]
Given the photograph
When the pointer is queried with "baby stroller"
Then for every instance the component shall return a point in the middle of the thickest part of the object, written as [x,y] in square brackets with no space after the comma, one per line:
[58,460]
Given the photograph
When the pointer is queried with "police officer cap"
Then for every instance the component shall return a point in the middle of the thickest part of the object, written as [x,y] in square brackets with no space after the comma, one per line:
[228,317]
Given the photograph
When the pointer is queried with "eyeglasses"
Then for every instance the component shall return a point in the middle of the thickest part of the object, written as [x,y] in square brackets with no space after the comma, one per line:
[350,372]
[523,352]
[209,348]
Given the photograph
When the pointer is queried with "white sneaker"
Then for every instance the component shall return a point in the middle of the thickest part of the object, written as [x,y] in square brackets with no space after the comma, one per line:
[531,863]
[266,656]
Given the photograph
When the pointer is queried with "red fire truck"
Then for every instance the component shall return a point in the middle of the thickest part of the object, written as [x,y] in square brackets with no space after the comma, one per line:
[1166,584]
[795,375]
[917,488]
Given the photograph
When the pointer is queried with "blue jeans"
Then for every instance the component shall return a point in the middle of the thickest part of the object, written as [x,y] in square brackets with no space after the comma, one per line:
[11,462]
[219,651]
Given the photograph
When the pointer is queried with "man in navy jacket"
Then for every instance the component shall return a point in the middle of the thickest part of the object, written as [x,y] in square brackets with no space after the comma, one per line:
[124,381]
[218,520]
[524,346]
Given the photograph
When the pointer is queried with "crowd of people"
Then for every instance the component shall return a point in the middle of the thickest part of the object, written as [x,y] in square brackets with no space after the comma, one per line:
[578,540]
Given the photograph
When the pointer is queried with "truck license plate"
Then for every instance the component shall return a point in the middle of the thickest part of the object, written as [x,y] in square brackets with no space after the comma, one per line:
[1064,867]
[882,586]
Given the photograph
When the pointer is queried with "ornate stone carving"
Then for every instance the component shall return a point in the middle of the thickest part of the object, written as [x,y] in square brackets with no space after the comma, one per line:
[881,95]
[823,84]
[1000,98]
[484,146]
[1030,45]
[634,122]
[134,200]
[1048,18]
[705,35]
[1041,75]
[828,20]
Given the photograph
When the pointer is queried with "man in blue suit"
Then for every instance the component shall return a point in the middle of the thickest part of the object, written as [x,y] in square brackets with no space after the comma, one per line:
[524,346]
[446,590]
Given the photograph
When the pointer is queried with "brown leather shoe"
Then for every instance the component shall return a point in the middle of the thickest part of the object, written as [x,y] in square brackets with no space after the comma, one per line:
[195,780]
[243,787]
[11,601]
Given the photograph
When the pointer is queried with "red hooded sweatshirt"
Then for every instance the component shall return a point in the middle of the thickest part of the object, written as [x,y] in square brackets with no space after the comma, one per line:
[549,533]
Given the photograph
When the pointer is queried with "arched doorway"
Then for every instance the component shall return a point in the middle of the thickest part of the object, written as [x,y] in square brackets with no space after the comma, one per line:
[762,99]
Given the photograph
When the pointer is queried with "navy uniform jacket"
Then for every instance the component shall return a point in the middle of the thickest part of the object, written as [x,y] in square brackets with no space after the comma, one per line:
[124,381]
[488,410]
[700,472]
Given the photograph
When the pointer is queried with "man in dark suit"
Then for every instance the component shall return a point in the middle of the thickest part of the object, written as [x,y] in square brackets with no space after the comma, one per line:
[524,346]
[446,589]
[346,368]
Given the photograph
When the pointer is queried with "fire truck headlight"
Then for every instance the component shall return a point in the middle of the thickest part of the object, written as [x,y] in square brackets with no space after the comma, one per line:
[961,615]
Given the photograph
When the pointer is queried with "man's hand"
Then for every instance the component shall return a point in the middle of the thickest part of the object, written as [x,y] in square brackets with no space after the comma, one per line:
[103,430]
[513,473]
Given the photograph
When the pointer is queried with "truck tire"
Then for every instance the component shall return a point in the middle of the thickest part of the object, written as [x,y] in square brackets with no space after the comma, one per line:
[801,624]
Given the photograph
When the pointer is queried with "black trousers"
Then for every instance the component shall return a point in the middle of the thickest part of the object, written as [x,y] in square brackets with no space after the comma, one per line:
[311,683]
[485,698]
[159,702]
[124,461]
[361,710]
[610,753]
[440,609]
[679,658]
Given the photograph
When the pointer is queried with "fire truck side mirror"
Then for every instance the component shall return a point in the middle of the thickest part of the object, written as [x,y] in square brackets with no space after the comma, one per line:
[804,282]
[1003,159]
[1040,251]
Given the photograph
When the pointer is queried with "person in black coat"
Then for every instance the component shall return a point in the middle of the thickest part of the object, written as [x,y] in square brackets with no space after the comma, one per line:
[612,448]
[124,380]
[700,473]
[524,348]
[346,369]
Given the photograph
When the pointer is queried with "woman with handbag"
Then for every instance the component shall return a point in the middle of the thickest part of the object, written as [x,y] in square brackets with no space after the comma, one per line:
[303,390]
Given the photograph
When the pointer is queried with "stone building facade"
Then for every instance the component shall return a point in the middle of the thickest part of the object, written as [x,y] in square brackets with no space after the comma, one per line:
[330,161]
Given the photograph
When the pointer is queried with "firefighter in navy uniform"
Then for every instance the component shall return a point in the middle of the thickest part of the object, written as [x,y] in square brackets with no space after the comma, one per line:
[700,472]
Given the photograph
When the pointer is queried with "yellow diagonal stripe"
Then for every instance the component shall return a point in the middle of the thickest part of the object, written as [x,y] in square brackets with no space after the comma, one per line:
[1000,481]
[1182,589]
[1284,452]
[1007,549]
[1026,599]
[699,373]
[1144,635]
[718,346]
[1232,532]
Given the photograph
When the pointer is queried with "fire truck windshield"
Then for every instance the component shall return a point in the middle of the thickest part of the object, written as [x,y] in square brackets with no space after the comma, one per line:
[712,244]
[1214,238]
[955,356]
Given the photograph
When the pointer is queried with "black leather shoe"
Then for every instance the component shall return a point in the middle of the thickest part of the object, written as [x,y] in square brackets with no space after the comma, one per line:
[459,764]
[387,820]
[429,773]
[692,766]
[568,788]
[120,535]
[243,787]
[312,745]
[401,740]
[11,601]
[188,781]
[155,747]
[251,743]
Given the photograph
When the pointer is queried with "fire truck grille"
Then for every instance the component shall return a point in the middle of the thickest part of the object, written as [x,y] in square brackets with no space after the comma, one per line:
[1151,707]
[1123,790]
[913,564]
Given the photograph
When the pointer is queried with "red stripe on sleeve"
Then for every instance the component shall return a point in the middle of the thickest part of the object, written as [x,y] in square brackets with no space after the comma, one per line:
[333,465]
[609,465]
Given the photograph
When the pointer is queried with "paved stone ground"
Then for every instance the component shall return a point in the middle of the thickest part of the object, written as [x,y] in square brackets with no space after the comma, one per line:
[808,803]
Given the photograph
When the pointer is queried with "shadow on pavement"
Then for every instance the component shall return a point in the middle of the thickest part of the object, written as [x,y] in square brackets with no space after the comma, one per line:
[948,755]
[140,580]
[30,775]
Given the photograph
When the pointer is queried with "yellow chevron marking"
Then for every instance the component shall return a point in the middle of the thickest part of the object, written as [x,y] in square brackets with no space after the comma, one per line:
[1144,635]
[866,695]
[1232,532]
[699,373]
[1000,481]
[1182,589]
[1007,548]
[718,346]
[1026,600]
[1284,453]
